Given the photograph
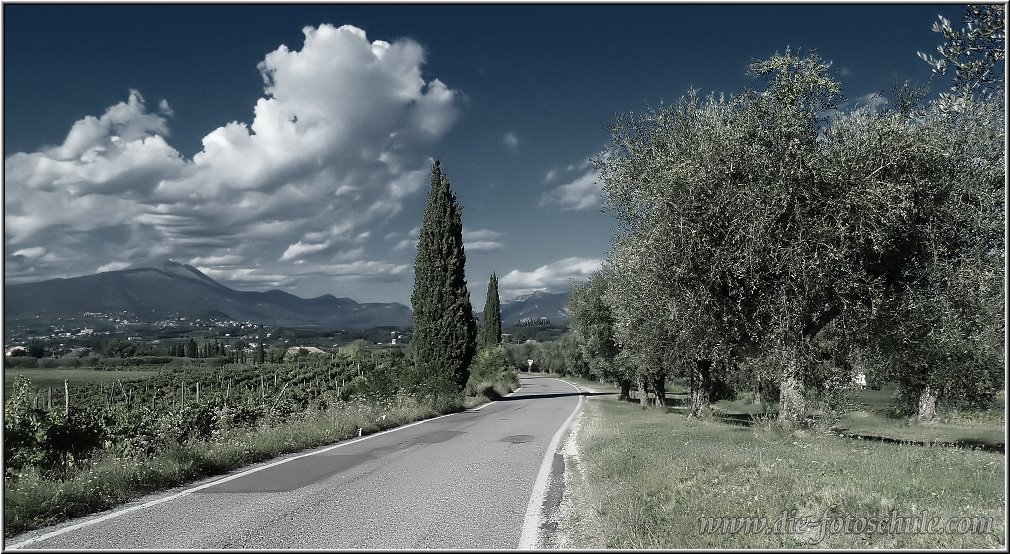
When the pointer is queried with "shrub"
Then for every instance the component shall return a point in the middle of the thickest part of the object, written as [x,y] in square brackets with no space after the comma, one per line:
[21,362]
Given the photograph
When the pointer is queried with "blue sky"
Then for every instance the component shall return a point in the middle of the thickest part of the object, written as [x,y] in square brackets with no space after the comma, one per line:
[289,147]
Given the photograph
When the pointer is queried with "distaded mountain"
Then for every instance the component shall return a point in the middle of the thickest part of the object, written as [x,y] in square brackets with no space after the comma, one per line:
[171,289]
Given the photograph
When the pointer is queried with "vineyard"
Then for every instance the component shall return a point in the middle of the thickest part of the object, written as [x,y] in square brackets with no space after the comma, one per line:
[57,429]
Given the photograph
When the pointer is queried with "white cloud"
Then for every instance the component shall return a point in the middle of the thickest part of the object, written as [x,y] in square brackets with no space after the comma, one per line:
[874,102]
[480,234]
[112,266]
[480,240]
[511,140]
[226,260]
[405,244]
[582,193]
[245,277]
[371,269]
[581,165]
[300,249]
[35,252]
[552,277]
[551,175]
[483,246]
[340,140]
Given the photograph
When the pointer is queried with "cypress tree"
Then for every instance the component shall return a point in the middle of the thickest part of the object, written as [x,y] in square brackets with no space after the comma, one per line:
[491,327]
[444,338]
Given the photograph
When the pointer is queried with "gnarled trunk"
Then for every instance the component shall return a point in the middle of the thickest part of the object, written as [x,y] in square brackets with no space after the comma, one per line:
[625,389]
[659,387]
[792,394]
[927,403]
[701,389]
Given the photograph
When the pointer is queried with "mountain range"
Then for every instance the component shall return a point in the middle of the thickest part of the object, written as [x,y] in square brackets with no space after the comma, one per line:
[535,306]
[167,289]
[171,289]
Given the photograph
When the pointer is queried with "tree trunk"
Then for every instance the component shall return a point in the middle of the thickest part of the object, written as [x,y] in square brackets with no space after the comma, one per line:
[643,393]
[625,389]
[659,387]
[927,404]
[792,395]
[701,389]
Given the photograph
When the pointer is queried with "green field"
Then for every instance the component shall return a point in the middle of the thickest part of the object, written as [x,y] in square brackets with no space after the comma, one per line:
[43,378]
[644,478]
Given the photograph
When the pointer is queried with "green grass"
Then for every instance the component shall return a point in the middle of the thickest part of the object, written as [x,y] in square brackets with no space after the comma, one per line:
[42,378]
[643,478]
[32,501]
[869,424]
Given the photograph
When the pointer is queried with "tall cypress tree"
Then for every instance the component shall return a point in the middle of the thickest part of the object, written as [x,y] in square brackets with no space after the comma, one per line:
[444,336]
[491,328]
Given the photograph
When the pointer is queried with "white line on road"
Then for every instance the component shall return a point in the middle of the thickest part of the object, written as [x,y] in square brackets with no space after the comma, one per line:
[155,502]
[530,537]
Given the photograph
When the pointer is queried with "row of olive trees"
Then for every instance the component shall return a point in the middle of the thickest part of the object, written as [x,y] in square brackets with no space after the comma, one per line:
[769,239]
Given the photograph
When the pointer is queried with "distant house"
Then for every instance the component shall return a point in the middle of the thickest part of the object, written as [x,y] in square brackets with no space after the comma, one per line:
[309,349]
[16,351]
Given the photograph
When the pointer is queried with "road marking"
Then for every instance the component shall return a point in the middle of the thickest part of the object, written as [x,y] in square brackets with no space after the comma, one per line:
[155,502]
[530,537]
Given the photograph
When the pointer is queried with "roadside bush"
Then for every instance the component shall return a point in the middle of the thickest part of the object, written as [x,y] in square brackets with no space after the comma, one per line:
[20,362]
[490,373]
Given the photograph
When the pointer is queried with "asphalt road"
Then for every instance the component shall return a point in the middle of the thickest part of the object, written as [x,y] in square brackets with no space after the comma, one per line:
[460,481]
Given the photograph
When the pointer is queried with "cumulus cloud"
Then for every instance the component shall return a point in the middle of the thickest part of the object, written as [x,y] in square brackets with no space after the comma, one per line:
[582,193]
[553,277]
[339,141]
